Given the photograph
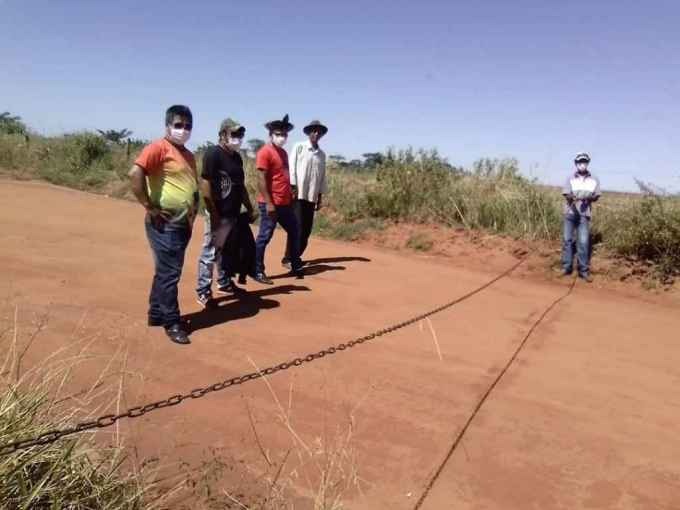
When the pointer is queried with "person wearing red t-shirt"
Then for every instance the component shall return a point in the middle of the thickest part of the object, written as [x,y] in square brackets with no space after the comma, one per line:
[275,199]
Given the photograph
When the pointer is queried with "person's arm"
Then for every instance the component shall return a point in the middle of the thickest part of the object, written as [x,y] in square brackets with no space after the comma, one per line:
[292,164]
[205,186]
[264,191]
[324,183]
[138,183]
[263,163]
[248,204]
[596,193]
[567,192]
[147,162]
[206,190]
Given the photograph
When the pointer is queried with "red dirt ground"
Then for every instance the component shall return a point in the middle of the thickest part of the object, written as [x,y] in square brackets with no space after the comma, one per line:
[586,418]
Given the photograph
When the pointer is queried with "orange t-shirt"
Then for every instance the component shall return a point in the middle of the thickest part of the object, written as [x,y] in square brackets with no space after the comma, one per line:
[171,177]
[273,161]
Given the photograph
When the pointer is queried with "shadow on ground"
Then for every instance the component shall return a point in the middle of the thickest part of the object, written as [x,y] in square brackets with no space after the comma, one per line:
[238,306]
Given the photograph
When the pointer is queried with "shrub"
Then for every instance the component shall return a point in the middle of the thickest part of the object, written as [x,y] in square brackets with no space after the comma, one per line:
[420,242]
[81,160]
[647,229]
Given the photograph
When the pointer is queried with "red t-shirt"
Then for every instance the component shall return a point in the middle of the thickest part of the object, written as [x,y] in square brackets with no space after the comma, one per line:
[273,161]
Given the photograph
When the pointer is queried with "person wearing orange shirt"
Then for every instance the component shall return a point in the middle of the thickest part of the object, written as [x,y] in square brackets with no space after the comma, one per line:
[165,182]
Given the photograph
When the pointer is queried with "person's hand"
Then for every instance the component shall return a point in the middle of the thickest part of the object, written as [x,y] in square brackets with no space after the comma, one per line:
[158,216]
[271,210]
[319,205]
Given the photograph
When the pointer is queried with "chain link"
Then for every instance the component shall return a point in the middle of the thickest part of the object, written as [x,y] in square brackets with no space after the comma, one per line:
[137,411]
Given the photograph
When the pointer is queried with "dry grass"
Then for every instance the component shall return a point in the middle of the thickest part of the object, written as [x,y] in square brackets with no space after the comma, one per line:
[323,468]
[74,472]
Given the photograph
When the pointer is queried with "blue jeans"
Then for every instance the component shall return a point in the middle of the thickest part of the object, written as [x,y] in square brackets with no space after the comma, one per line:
[286,218]
[206,263]
[168,242]
[576,234]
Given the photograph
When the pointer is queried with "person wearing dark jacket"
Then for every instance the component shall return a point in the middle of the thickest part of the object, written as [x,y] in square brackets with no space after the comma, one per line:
[224,191]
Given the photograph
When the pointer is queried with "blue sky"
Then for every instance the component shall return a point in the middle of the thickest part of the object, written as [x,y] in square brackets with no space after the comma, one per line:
[537,80]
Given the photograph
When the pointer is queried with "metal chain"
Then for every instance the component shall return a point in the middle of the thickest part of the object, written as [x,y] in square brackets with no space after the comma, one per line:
[135,412]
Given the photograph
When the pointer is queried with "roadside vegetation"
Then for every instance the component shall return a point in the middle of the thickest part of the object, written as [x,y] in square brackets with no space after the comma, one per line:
[382,189]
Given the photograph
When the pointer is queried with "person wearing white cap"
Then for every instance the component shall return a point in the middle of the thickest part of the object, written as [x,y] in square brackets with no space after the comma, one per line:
[580,191]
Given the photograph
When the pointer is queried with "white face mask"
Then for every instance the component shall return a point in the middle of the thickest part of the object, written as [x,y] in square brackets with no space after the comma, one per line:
[279,140]
[234,143]
[179,136]
[582,167]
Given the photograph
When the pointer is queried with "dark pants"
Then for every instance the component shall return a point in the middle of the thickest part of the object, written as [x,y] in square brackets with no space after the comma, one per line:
[286,218]
[168,243]
[304,214]
[220,234]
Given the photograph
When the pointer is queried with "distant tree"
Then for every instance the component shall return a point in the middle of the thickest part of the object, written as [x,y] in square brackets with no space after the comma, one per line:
[137,143]
[12,124]
[254,145]
[337,158]
[114,135]
[356,163]
[373,159]
[204,147]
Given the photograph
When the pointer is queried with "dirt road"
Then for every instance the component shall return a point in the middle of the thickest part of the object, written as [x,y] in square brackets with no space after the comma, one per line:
[586,418]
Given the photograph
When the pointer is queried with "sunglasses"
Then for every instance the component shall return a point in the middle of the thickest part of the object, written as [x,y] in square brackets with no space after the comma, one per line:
[182,125]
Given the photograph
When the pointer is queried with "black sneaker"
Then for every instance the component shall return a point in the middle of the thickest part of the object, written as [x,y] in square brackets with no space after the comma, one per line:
[286,264]
[177,334]
[586,278]
[229,288]
[204,299]
[242,279]
[263,279]
[298,273]
[566,273]
[153,322]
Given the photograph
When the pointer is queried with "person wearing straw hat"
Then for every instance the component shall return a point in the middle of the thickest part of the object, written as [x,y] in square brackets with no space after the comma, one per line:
[275,199]
[580,191]
[308,181]
[223,188]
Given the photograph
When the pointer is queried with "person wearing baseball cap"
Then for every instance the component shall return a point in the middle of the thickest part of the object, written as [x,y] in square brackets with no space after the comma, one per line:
[275,199]
[580,191]
[308,180]
[223,188]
